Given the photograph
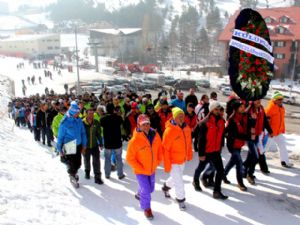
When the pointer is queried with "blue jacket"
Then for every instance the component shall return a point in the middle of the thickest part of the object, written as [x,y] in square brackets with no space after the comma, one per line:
[70,129]
[21,112]
[178,103]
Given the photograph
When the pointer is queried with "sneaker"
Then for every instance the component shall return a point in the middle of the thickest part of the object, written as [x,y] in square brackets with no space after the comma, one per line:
[197,186]
[137,196]
[165,190]
[219,195]
[122,176]
[148,214]
[242,187]
[226,181]
[286,165]
[204,182]
[181,204]
[98,180]
[251,179]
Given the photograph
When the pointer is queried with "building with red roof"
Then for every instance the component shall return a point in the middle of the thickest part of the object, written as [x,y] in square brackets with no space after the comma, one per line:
[284,27]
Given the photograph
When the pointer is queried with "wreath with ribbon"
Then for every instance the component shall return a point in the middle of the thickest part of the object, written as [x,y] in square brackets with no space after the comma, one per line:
[251,62]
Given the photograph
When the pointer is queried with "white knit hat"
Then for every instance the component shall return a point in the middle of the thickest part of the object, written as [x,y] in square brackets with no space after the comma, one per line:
[213,105]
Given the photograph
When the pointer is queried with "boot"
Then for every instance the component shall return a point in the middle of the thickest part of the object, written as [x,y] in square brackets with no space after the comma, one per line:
[242,187]
[87,175]
[219,195]
[165,190]
[98,180]
[225,180]
[148,214]
[197,186]
[251,179]
[286,165]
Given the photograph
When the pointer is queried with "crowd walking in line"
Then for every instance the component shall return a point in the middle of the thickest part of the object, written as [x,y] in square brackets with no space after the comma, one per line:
[159,132]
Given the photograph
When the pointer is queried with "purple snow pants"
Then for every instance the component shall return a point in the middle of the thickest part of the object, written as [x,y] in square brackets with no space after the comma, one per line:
[146,187]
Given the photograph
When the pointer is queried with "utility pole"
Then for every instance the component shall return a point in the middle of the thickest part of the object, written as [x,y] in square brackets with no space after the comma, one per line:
[76,49]
[95,45]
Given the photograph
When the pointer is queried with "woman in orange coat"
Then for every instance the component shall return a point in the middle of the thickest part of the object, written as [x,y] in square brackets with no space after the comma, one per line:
[177,143]
[144,154]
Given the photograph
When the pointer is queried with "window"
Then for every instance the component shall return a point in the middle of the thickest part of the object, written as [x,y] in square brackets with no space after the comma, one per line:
[56,47]
[50,48]
[49,40]
[284,19]
[279,56]
[268,20]
[280,43]
[281,30]
[56,40]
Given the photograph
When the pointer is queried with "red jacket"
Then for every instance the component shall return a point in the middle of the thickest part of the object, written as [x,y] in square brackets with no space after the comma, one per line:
[191,120]
[164,117]
[211,134]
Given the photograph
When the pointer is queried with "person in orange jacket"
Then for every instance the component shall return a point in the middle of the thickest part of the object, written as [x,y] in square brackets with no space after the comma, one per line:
[144,154]
[177,145]
[275,112]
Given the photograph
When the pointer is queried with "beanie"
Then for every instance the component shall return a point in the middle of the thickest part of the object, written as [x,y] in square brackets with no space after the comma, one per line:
[176,111]
[277,95]
[213,105]
[142,119]
[74,109]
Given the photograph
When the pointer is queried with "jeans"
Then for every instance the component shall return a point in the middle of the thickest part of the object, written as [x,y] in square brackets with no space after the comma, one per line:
[107,164]
[216,159]
[94,152]
[146,187]
[235,160]
[252,158]
[209,173]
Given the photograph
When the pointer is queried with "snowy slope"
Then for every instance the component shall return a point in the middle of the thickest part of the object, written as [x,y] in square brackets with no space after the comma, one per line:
[35,190]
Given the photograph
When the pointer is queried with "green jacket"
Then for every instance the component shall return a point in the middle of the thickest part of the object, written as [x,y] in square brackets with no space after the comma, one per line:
[55,123]
[93,133]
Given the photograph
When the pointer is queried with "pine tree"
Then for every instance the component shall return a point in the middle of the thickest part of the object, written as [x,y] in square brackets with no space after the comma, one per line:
[296,2]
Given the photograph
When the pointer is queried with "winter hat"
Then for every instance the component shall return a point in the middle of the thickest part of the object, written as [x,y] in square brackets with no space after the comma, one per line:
[142,119]
[277,95]
[134,105]
[213,105]
[176,111]
[74,109]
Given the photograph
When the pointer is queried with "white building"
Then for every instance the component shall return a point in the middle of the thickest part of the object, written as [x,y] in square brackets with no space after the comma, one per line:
[28,46]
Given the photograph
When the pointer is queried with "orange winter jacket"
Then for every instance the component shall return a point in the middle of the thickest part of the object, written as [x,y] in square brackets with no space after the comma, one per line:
[276,115]
[177,145]
[141,155]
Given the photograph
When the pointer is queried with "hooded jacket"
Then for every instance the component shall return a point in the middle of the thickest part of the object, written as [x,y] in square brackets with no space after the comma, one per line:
[177,144]
[142,155]
[276,115]
[70,129]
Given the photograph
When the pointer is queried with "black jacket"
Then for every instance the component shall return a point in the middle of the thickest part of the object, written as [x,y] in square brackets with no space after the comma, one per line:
[50,114]
[41,119]
[111,124]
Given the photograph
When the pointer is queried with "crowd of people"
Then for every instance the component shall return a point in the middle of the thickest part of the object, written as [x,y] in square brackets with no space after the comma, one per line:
[161,130]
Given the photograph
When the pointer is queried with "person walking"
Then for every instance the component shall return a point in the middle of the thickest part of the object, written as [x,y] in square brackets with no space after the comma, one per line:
[71,129]
[177,145]
[94,142]
[111,124]
[237,134]
[211,134]
[144,154]
[275,112]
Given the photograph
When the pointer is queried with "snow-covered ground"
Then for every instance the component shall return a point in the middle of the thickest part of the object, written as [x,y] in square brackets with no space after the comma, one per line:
[35,188]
